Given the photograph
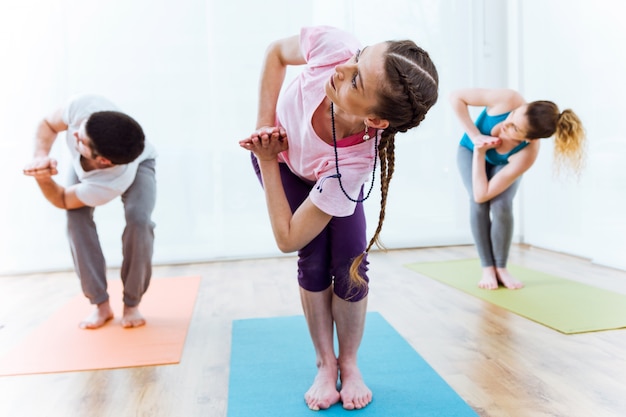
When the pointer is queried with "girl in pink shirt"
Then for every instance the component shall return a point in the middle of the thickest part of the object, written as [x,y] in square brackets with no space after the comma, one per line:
[316,144]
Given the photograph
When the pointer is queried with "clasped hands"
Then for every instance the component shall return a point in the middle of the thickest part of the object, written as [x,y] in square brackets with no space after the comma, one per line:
[483,142]
[41,167]
[266,142]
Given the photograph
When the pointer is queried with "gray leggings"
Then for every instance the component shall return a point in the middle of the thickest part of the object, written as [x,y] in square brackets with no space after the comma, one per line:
[492,221]
[137,241]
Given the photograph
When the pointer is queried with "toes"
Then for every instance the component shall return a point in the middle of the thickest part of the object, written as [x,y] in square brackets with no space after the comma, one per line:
[127,324]
[312,406]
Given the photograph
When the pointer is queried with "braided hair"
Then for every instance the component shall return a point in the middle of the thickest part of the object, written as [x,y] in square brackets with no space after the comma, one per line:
[408,90]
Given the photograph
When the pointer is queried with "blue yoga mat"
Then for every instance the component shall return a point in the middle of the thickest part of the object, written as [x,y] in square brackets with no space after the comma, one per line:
[273,364]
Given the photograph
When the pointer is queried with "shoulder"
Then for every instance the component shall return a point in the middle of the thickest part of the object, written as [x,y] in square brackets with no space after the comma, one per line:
[327,45]
[526,157]
[80,106]
[504,100]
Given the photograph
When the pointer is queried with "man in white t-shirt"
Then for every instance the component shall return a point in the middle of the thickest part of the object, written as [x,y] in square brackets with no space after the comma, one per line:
[110,158]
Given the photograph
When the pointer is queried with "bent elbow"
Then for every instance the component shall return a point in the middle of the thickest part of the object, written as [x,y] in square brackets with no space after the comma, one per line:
[286,247]
[283,248]
[479,199]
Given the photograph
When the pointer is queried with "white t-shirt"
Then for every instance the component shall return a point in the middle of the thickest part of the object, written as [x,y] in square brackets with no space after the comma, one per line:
[98,186]
[308,155]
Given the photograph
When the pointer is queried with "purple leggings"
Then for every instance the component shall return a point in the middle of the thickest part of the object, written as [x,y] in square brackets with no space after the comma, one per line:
[330,254]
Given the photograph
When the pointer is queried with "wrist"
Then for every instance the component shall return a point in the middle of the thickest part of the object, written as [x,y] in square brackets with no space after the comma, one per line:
[267,160]
[44,180]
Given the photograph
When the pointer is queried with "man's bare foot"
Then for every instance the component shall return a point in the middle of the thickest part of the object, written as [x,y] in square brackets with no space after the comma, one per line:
[323,393]
[354,393]
[98,317]
[132,317]
[508,280]
[489,281]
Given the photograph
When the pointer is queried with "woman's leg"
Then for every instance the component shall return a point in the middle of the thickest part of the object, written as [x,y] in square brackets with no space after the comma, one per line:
[318,313]
[347,237]
[480,222]
[502,232]
[315,281]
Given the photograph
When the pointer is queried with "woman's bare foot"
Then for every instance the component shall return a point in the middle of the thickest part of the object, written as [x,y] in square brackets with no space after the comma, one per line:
[98,317]
[489,281]
[508,280]
[354,393]
[132,317]
[323,393]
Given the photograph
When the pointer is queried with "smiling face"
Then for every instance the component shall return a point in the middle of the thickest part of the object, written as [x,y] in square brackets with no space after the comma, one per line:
[354,85]
[515,126]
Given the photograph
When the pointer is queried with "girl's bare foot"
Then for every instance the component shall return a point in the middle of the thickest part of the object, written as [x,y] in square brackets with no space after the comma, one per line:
[323,393]
[508,280]
[98,317]
[489,281]
[132,317]
[354,393]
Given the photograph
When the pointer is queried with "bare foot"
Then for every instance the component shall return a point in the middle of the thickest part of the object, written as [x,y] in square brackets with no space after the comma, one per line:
[489,281]
[354,393]
[323,393]
[508,280]
[132,317]
[98,317]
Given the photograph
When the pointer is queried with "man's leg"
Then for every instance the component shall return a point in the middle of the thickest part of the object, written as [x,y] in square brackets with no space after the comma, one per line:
[89,264]
[138,241]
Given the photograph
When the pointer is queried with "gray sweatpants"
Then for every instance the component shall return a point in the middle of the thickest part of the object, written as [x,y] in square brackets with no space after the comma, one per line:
[137,241]
[491,222]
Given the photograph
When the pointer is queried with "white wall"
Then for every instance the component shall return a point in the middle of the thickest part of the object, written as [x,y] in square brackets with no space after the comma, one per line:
[189,74]
[572,53]
[188,71]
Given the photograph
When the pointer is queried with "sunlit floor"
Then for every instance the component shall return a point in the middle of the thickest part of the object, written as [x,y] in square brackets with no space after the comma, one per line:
[498,362]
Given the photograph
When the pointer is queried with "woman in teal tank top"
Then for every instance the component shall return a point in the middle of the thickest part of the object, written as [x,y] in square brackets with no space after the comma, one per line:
[494,153]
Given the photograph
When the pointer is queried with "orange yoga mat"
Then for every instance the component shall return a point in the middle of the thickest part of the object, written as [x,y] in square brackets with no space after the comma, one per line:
[59,345]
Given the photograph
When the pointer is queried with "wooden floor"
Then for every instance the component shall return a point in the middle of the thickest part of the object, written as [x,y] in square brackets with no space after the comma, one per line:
[503,365]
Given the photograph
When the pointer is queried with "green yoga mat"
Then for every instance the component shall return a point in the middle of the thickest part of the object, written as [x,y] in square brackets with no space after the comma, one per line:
[564,305]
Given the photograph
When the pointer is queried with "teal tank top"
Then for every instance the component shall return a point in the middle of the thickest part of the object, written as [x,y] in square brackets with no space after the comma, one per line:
[485,123]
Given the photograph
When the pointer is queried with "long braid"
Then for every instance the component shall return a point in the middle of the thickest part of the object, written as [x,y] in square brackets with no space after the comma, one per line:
[409,90]
[387,161]
[387,157]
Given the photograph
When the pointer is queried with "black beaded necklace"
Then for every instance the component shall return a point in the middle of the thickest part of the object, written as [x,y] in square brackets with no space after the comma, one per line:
[332,118]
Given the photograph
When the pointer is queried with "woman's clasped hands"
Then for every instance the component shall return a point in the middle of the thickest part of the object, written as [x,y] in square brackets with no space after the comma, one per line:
[484,142]
[266,142]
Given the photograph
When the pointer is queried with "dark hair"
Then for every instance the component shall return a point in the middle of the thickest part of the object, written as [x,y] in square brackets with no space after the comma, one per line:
[408,91]
[545,120]
[115,136]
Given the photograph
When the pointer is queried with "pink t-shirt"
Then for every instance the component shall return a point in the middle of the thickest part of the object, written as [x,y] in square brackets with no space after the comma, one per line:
[308,155]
